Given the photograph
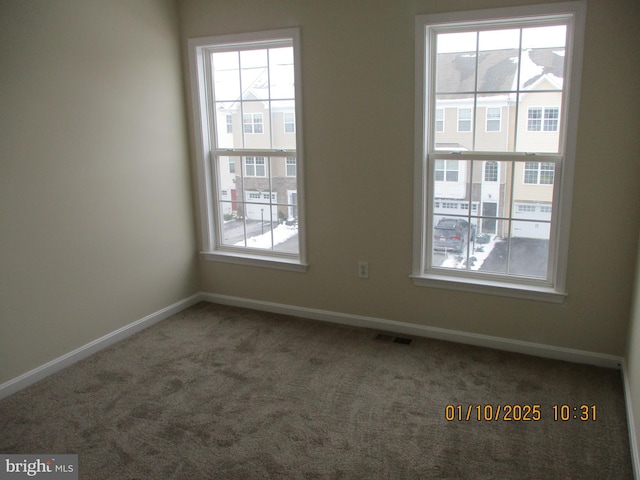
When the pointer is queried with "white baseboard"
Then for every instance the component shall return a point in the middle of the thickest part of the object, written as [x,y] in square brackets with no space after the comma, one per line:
[631,426]
[49,368]
[498,343]
[529,348]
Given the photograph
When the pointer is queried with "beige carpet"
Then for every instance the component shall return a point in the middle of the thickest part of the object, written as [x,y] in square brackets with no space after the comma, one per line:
[225,393]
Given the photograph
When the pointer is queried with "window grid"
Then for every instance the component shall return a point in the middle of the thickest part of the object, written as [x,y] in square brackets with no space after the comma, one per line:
[512,156]
[258,100]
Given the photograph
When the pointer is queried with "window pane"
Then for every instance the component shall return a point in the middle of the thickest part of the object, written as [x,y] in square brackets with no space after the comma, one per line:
[491,133]
[498,60]
[228,125]
[453,238]
[282,81]
[529,249]
[283,120]
[256,125]
[456,65]
[538,122]
[254,74]
[489,251]
[456,109]
[542,63]
[226,75]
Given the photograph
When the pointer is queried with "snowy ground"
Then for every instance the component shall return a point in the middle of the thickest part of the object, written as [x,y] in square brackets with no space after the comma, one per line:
[481,252]
[281,234]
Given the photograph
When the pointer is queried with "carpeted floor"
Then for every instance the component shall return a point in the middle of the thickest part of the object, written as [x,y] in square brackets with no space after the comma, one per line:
[218,392]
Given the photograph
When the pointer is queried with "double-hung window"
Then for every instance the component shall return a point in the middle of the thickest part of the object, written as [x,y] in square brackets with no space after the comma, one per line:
[250,214]
[496,68]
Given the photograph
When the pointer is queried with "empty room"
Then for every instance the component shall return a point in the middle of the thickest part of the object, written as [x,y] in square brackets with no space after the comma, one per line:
[319,239]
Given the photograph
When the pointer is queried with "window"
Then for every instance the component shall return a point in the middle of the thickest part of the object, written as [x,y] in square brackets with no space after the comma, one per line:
[446,171]
[491,171]
[439,119]
[534,119]
[551,116]
[539,173]
[494,115]
[291,167]
[522,64]
[289,122]
[249,178]
[254,167]
[464,119]
[252,123]
[543,119]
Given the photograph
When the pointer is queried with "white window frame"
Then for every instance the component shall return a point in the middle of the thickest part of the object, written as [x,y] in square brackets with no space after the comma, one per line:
[552,289]
[206,150]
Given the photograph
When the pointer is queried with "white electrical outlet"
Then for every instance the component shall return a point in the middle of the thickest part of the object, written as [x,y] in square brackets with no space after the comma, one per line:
[363,269]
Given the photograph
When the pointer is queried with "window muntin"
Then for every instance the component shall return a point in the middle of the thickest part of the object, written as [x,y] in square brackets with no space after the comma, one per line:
[250,80]
[462,53]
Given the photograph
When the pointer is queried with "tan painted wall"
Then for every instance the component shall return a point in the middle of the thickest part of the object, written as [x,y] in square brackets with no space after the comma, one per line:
[96,219]
[358,74]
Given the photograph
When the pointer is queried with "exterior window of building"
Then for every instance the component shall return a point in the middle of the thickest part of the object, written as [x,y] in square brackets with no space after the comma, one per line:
[255,167]
[494,116]
[543,119]
[539,173]
[253,80]
[291,167]
[446,171]
[464,119]
[508,246]
[439,120]
[289,122]
[491,171]
[534,119]
[551,116]
[252,123]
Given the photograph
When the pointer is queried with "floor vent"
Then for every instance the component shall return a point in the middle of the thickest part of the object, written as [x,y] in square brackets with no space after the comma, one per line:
[382,337]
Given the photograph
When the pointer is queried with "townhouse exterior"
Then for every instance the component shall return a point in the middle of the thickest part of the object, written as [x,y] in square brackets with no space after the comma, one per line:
[492,121]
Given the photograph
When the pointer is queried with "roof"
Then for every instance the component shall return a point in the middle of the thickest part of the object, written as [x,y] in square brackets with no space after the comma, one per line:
[497,69]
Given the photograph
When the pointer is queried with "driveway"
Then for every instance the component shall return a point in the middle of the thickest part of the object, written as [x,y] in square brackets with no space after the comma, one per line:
[528,257]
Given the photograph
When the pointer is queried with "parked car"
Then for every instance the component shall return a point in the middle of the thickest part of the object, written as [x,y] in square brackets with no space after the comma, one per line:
[453,234]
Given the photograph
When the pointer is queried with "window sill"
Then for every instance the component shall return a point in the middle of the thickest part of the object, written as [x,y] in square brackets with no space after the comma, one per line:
[488,287]
[279,263]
